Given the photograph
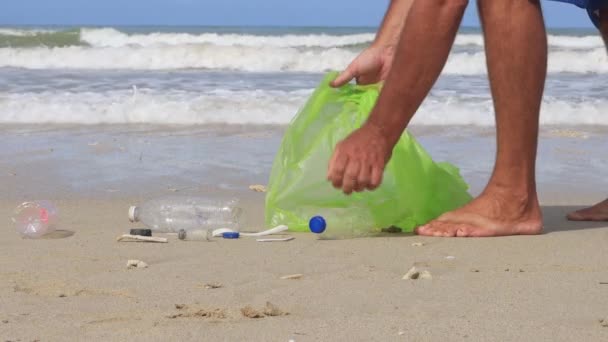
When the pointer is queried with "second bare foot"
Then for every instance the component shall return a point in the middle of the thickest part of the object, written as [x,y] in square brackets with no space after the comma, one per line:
[598,212]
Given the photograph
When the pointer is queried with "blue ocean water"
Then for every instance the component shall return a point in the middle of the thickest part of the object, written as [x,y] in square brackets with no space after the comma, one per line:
[202,75]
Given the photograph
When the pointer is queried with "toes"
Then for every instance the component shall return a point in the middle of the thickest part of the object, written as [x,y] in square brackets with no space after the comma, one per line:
[425,230]
[575,216]
[446,229]
[465,230]
[449,229]
[582,216]
[438,229]
[421,229]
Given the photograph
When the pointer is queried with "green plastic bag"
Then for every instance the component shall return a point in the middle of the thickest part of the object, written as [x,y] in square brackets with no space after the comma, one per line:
[414,189]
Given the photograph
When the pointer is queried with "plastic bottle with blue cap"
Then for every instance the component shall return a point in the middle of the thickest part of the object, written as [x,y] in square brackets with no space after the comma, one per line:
[192,217]
[342,223]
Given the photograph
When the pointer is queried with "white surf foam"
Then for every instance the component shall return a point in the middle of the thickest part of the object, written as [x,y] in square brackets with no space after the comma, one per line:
[254,59]
[256,107]
[141,106]
[203,56]
[555,41]
[573,61]
[22,32]
[554,111]
[109,37]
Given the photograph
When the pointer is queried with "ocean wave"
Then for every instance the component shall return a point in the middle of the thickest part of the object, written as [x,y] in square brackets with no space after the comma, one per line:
[142,106]
[17,38]
[204,56]
[255,59]
[448,111]
[23,32]
[252,107]
[554,41]
[570,61]
[112,37]
[109,37]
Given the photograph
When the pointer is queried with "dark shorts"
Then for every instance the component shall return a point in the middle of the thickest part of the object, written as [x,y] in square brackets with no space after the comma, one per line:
[592,7]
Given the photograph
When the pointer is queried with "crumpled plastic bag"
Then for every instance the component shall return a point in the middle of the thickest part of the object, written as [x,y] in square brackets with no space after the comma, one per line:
[415,189]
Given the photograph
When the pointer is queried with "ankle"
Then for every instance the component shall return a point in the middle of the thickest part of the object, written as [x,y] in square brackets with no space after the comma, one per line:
[524,191]
[515,199]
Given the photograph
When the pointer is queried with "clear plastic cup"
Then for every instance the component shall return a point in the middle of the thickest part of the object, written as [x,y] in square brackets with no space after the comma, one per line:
[35,219]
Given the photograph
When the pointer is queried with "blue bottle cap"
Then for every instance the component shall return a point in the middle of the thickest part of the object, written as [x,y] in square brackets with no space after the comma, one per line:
[230,235]
[317,224]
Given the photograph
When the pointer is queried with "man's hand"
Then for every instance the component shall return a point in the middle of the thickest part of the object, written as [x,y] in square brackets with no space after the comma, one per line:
[358,161]
[371,66]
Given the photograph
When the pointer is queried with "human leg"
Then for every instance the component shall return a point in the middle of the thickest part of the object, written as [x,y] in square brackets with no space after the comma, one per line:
[516,48]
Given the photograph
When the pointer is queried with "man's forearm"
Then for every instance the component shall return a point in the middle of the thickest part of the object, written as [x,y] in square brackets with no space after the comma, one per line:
[423,49]
[392,24]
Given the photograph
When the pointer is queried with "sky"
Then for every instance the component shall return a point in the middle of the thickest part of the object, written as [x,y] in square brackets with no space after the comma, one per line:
[233,12]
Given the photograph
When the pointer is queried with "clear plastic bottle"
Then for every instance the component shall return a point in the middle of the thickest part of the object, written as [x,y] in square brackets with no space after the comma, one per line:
[35,219]
[194,235]
[342,223]
[174,213]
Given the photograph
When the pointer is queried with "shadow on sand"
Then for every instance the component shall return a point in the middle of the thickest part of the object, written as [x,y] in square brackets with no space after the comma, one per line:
[555,220]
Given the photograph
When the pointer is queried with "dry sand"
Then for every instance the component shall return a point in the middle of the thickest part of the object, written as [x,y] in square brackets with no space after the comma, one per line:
[77,287]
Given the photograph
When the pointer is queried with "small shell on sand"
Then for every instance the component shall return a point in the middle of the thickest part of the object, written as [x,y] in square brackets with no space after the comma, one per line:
[292,276]
[413,273]
[272,310]
[604,322]
[418,244]
[257,188]
[136,264]
[250,312]
[201,313]
[426,275]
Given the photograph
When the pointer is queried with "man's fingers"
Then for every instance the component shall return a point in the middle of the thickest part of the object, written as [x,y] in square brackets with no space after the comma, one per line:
[365,79]
[351,174]
[344,77]
[364,178]
[376,178]
[337,166]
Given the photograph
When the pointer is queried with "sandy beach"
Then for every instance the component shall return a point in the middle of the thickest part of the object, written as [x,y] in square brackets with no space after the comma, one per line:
[76,286]
[541,288]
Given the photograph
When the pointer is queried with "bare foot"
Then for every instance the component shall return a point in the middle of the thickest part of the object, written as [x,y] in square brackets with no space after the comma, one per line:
[598,212]
[493,213]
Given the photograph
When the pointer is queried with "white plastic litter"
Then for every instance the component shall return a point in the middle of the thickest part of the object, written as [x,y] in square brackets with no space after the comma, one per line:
[275,230]
[136,264]
[139,238]
[289,238]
